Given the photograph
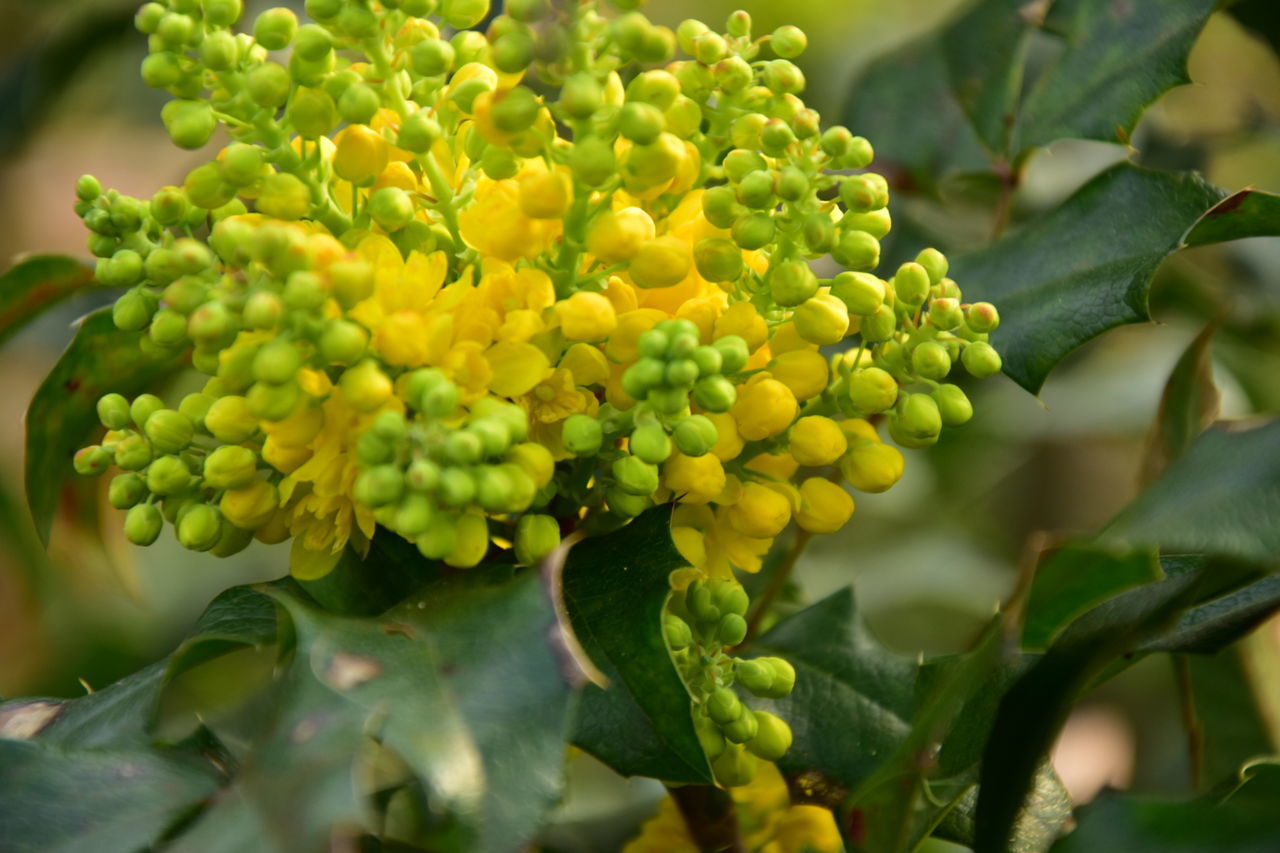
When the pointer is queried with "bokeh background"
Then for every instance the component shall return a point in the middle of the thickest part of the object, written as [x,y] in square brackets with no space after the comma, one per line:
[929,560]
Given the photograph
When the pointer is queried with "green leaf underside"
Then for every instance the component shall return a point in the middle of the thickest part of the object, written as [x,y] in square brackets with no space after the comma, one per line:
[1222,497]
[1212,626]
[1245,823]
[35,284]
[1083,268]
[615,587]
[63,415]
[1188,405]
[108,800]
[1071,581]
[1247,213]
[952,102]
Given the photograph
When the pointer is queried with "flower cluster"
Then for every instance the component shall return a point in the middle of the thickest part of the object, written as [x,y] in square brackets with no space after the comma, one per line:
[480,288]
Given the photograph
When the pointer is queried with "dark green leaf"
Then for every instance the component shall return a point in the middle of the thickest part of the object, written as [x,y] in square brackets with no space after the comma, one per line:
[1245,823]
[62,416]
[118,800]
[1222,498]
[1031,713]
[1071,581]
[1117,58]
[1212,626]
[368,585]
[1247,213]
[1084,268]
[615,587]
[1232,727]
[1190,403]
[35,284]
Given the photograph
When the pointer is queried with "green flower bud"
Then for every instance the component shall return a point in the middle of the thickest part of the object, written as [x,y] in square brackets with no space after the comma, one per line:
[822,319]
[742,729]
[391,208]
[168,475]
[205,188]
[195,407]
[275,28]
[872,390]
[792,282]
[133,453]
[513,52]
[729,597]
[930,360]
[219,51]
[126,490]
[773,736]
[494,489]
[276,362]
[581,435]
[857,250]
[88,188]
[359,104]
[536,536]
[189,123]
[162,70]
[732,630]
[755,190]
[200,527]
[169,431]
[945,314]
[379,486]
[677,631]
[312,112]
[432,57]
[718,259]
[413,516]
[272,402]
[788,42]
[641,122]
[740,162]
[696,435]
[457,487]
[92,460]
[230,467]
[423,475]
[323,10]
[343,342]
[464,14]
[754,231]
[720,206]
[681,373]
[142,524]
[917,422]
[776,137]
[734,353]
[635,476]
[527,10]
[222,13]
[372,449]
[879,326]
[268,84]
[981,317]
[418,132]
[304,291]
[953,405]
[650,443]
[791,184]
[911,284]
[862,293]
[754,675]
[782,77]
[981,359]
[734,767]
[313,43]
[935,263]
[440,537]
[864,193]
[626,504]
[143,407]
[113,411]
[463,448]
[723,706]
[175,30]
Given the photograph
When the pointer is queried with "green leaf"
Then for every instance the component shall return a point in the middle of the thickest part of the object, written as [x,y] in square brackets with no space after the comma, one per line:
[1231,726]
[116,800]
[1033,710]
[1071,581]
[1245,823]
[1215,624]
[63,416]
[1247,213]
[1117,58]
[370,584]
[1084,268]
[35,284]
[1189,404]
[1222,497]
[615,587]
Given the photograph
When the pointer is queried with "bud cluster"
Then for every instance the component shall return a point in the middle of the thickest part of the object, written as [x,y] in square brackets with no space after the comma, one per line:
[482,287]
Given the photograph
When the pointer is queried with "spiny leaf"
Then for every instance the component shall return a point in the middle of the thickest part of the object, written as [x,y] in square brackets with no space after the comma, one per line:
[1190,403]
[35,284]
[63,413]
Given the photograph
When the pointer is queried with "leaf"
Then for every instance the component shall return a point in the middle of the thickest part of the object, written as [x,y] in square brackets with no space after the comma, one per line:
[35,284]
[370,584]
[1245,823]
[1232,727]
[1033,710]
[1215,624]
[1247,213]
[615,587]
[63,413]
[116,800]
[1084,268]
[952,102]
[1118,56]
[1222,497]
[1071,581]
[1189,404]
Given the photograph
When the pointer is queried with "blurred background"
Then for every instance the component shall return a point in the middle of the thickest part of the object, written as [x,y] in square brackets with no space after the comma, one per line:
[929,559]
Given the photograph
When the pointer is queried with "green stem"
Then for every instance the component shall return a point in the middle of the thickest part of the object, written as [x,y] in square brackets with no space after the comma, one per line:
[777,583]
[444,197]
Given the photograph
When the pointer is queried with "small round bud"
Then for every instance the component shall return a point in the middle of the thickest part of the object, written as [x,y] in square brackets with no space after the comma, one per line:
[677,631]
[230,467]
[930,360]
[126,490]
[735,767]
[723,706]
[536,537]
[981,359]
[822,319]
[661,262]
[113,411]
[872,390]
[773,736]
[857,250]
[793,282]
[275,28]
[742,729]
[918,421]
[732,630]
[935,263]
[169,431]
[696,435]
[92,461]
[168,475]
[879,325]
[982,317]
[635,476]
[268,84]
[391,207]
[788,41]
[379,486]
[142,524]
[945,314]
[755,231]
[581,435]
[715,394]
[953,405]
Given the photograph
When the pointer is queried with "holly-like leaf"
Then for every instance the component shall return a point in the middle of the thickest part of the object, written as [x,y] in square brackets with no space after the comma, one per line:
[1116,59]
[1222,497]
[35,284]
[1190,403]
[1247,213]
[108,800]
[615,587]
[1244,823]
[1084,268]
[62,416]
[1212,626]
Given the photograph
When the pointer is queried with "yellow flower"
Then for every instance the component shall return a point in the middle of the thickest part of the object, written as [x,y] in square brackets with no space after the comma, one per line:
[696,479]
[824,506]
[494,224]
[765,407]
[586,316]
[516,368]
[805,372]
[816,440]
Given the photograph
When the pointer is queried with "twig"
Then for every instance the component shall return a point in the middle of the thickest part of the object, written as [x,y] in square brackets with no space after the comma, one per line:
[711,817]
[1190,719]
[777,583]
